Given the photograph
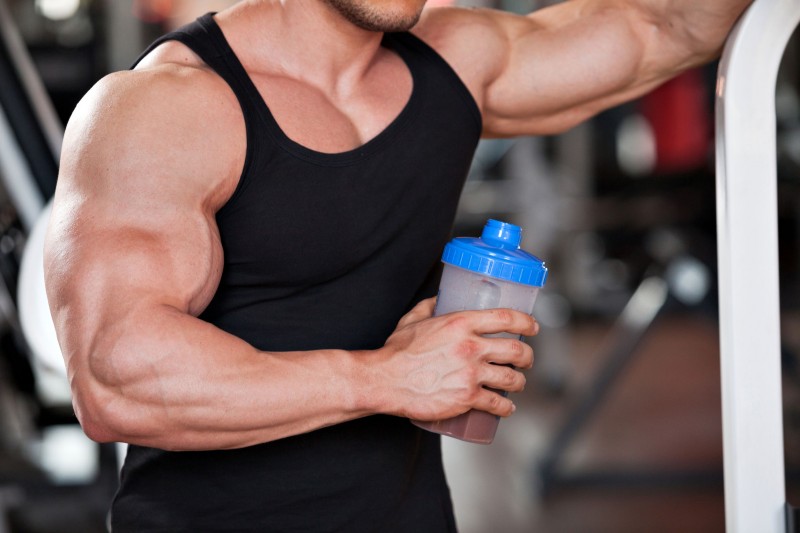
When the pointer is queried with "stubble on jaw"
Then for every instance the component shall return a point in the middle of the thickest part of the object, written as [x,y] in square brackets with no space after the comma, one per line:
[370,18]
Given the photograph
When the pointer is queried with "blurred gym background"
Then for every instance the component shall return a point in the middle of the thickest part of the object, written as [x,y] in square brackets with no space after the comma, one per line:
[620,427]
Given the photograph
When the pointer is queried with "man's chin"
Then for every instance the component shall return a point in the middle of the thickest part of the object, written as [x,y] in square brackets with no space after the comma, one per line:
[372,18]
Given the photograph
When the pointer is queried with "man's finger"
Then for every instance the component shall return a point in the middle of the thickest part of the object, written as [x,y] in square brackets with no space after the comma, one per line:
[508,352]
[503,378]
[504,321]
[494,403]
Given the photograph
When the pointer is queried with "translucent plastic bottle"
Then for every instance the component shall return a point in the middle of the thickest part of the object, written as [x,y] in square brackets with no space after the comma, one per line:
[485,273]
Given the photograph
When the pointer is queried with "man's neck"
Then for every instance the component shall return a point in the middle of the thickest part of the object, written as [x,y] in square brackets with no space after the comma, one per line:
[303,39]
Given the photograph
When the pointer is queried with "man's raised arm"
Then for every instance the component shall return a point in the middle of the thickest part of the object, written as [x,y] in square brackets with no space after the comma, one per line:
[546,72]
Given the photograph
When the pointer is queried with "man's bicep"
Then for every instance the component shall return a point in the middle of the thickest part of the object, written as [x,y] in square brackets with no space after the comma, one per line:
[130,220]
[540,73]
[101,269]
[564,67]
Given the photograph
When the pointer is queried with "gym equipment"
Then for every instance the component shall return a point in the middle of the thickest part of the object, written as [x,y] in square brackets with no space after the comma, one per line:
[37,324]
[747,235]
[30,132]
[35,488]
[641,311]
[747,243]
[30,143]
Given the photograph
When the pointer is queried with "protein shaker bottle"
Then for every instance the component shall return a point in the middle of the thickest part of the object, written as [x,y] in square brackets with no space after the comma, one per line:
[485,273]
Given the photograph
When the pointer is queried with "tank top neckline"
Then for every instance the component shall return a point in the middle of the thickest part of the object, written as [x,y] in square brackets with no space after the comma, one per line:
[372,145]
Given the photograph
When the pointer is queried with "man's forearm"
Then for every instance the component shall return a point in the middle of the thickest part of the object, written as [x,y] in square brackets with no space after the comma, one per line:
[172,381]
[166,379]
[700,27]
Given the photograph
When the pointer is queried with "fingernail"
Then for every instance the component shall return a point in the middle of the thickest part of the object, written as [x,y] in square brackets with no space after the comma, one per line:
[513,407]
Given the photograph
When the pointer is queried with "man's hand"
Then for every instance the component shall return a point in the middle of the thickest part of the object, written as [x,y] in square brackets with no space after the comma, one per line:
[439,367]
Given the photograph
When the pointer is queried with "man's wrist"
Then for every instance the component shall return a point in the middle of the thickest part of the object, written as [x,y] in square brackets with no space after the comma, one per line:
[371,383]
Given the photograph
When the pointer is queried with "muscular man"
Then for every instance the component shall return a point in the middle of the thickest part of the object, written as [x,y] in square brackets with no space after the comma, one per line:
[246,234]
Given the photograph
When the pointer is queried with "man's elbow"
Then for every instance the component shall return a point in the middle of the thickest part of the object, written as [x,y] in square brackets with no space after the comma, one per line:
[95,419]
[104,415]
[97,429]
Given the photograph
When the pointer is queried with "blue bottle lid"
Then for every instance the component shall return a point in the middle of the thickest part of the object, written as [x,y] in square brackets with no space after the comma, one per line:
[497,254]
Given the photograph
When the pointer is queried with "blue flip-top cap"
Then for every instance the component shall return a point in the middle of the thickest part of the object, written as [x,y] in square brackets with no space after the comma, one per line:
[497,254]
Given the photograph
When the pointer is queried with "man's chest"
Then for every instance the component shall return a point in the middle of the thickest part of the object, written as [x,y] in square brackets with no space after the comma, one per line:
[337,119]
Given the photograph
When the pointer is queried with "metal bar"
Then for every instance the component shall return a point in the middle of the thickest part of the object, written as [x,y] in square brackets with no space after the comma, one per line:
[46,114]
[637,317]
[28,111]
[16,176]
[747,233]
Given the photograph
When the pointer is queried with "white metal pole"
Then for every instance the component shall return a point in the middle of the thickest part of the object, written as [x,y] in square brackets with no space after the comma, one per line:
[747,232]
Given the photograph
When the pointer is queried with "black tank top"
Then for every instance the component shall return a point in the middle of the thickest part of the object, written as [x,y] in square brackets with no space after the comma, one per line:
[321,251]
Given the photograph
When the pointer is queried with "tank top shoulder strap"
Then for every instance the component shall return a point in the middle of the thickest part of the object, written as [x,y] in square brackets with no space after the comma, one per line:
[204,38]
[414,50]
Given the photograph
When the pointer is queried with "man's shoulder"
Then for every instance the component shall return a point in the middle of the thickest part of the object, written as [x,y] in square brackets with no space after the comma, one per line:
[468,39]
[463,27]
[161,84]
[166,118]
[165,91]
